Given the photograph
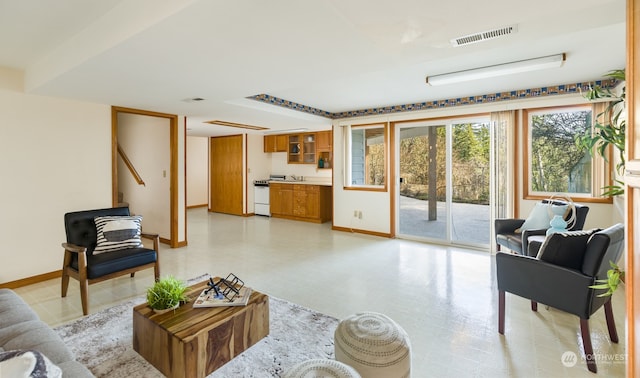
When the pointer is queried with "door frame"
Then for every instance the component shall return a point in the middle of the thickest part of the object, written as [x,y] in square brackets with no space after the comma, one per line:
[173,181]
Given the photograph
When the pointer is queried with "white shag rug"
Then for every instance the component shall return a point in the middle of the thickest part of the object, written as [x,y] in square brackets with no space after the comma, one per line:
[103,342]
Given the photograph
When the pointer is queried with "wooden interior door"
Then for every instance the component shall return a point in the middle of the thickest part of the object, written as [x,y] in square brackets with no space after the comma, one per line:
[226,175]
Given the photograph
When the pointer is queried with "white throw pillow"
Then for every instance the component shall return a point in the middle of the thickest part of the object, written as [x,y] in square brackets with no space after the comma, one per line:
[538,219]
[118,232]
[27,363]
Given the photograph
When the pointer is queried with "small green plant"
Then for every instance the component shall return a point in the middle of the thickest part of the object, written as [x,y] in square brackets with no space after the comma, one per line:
[614,277]
[166,293]
[611,132]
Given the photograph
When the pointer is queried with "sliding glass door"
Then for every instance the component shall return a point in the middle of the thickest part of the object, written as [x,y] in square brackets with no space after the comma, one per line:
[444,181]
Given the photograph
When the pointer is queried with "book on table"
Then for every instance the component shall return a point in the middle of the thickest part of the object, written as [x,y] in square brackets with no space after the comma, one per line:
[208,298]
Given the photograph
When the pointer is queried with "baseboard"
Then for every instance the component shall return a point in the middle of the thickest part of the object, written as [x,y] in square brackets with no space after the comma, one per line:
[366,232]
[31,280]
[197,206]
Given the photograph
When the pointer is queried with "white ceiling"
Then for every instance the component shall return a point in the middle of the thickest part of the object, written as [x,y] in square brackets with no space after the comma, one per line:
[335,55]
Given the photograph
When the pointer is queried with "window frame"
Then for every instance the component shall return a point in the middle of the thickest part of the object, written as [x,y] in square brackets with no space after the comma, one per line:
[348,158]
[598,180]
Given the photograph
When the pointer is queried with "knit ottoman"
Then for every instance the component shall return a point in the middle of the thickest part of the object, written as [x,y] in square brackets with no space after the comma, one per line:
[320,367]
[374,345]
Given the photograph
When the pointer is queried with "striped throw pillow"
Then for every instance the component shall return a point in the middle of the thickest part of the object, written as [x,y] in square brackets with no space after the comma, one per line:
[117,232]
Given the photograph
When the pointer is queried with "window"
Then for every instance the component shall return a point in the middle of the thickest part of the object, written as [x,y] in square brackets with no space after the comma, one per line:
[366,156]
[553,162]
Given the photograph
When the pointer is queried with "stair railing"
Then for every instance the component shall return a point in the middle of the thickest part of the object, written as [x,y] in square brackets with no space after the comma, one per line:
[129,165]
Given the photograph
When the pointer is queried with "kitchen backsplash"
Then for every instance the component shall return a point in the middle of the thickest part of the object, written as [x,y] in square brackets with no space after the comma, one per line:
[280,166]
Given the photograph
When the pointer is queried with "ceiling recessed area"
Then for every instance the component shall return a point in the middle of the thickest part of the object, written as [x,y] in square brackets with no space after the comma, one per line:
[236,125]
[333,56]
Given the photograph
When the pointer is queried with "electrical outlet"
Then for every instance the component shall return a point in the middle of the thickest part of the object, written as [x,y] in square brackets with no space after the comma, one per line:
[359,214]
[355,213]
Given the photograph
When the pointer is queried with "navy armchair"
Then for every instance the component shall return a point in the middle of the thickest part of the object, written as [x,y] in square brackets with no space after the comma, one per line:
[113,248]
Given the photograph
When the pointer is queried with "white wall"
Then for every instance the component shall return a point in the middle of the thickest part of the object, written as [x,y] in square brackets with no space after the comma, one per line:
[56,158]
[145,140]
[197,170]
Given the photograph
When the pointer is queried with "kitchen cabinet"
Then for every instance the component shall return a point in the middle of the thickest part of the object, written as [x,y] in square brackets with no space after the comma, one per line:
[276,143]
[280,199]
[324,148]
[310,203]
[323,141]
[302,148]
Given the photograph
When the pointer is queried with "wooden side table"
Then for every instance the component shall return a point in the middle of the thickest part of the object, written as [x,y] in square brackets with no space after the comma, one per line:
[193,342]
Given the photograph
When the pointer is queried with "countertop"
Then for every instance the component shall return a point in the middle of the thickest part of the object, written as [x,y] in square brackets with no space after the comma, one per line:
[310,182]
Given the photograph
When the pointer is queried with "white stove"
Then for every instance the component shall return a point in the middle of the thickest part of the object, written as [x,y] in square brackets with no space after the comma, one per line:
[261,194]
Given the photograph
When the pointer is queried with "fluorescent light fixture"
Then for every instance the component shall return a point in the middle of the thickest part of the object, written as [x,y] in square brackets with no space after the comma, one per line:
[526,65]
[290,131]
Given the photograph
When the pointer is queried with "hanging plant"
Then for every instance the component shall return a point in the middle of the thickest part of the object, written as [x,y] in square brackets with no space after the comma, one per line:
[610,133]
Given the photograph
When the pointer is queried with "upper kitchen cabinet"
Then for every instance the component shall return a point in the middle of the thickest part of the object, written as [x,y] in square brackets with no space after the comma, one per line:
[323,141]
[302,148]
[276,143]
[324,148]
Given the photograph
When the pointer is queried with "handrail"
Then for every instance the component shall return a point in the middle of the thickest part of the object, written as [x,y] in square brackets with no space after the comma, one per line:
[129,165]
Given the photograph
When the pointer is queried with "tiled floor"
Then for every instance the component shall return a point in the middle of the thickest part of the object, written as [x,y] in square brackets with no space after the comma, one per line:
[445,298]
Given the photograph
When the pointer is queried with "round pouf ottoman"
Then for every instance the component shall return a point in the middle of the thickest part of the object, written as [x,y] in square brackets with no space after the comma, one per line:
[374,345]
[324,368]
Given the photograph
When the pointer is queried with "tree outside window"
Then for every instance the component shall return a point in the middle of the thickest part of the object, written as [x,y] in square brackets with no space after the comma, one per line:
[554,162]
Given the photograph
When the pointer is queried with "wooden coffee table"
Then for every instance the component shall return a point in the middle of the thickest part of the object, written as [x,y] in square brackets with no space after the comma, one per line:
[193,342]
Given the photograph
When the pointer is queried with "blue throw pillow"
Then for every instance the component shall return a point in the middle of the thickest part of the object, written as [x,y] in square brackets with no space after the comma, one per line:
[538,219]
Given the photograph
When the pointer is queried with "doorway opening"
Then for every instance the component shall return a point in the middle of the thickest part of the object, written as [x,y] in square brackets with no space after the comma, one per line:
[172,120]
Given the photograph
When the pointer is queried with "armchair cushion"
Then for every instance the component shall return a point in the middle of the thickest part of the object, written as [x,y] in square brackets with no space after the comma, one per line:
[99,265]
[115,233]
[565,249]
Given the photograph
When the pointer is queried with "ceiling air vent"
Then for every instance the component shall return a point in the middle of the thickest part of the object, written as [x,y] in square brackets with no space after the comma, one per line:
[484,36]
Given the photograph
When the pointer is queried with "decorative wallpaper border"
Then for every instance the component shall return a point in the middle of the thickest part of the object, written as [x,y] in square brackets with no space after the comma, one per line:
[437,104]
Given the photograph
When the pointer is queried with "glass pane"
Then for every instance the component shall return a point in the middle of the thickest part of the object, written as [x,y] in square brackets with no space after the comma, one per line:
[470,211]
[423,187]
[367,156]
[557,164]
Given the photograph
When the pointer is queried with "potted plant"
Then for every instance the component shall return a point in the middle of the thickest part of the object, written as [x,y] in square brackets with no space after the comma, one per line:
[611,132]
[166,294]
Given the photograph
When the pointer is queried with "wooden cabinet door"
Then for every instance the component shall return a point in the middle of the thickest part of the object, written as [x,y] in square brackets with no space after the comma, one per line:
[269,143]
[281,143]
[276,143]
[275,201]
[286,199]
[323,141]
[312,202]
[299,200]
[281,199]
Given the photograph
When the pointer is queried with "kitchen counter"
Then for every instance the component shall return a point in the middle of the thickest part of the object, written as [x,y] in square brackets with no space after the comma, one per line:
[309,201]
[320,183]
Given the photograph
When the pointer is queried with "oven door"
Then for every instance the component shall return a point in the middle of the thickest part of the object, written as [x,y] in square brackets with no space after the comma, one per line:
[261,200]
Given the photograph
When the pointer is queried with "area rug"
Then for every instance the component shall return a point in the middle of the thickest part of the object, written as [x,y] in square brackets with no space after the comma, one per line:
[103,342]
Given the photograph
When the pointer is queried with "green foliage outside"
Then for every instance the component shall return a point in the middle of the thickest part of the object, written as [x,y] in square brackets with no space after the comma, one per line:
[470,165]
[555,158]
